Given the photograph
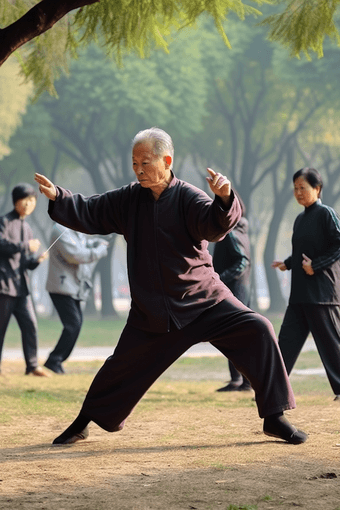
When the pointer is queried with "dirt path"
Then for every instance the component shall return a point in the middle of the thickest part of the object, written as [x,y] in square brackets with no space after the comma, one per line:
[178,459]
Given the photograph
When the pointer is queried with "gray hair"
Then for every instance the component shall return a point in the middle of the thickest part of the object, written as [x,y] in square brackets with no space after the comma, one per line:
[160,140]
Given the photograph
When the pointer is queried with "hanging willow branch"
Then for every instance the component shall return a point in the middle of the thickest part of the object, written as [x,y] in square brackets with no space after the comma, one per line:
[35,22]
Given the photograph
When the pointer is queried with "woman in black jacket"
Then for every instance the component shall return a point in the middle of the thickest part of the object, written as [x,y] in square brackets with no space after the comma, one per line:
[315,289]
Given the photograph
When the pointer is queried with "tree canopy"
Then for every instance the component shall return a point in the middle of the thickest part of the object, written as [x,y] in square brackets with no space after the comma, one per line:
[140,25]
[99,108]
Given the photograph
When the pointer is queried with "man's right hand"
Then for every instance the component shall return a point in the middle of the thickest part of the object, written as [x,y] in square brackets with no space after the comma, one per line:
[46,186]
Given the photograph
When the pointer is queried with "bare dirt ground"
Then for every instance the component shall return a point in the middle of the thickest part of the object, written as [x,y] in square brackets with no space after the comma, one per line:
[176,457]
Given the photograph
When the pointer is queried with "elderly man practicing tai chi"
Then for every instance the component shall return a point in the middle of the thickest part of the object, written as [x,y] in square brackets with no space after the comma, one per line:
[177,298]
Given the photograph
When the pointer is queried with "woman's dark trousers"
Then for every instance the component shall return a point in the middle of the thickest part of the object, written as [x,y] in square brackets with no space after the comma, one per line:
[323,321]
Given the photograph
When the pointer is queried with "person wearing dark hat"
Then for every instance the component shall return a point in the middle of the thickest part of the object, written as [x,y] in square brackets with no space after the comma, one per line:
[17,255]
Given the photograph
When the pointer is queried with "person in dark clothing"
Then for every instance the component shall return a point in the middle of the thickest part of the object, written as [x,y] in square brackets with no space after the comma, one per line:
[315,285]
[177,299]
[17,248]
[231,261]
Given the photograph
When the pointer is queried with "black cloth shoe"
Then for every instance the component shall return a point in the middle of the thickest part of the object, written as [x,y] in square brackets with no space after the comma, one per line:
[278,426]
[57,368]
[70,438]
[245,386]
[337,397]
[297,437]
[232,386]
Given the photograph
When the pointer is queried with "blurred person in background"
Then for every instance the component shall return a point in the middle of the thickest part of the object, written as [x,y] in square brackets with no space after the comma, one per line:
[73,258]
[315,284]
[231,261]
[18,253]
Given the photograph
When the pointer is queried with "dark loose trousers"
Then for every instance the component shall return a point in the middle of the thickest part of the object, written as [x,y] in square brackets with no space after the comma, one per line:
[22,309]
[141,357]
[324,324]
[71,317]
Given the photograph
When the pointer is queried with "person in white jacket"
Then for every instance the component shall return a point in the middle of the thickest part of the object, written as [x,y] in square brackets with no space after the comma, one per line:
[73,258]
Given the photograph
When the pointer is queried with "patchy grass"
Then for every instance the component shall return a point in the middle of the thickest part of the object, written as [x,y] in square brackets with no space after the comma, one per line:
[189,381]
[94,332]
[308,359]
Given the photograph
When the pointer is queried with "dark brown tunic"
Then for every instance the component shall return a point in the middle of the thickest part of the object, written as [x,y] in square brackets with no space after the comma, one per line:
[170,269]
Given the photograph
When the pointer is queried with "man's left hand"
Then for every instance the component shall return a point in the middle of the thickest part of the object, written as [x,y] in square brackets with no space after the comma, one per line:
[220,185]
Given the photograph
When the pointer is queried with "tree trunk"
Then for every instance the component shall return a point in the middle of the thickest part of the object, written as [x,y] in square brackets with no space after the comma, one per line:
[90,308]
[281,200]
[277,301]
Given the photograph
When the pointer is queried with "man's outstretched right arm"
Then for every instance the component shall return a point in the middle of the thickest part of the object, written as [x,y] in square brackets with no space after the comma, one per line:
[96,214]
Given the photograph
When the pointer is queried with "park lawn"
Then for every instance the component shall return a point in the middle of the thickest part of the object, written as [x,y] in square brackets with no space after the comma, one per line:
[61,397]
[188,381]
[95,332]
[106,332]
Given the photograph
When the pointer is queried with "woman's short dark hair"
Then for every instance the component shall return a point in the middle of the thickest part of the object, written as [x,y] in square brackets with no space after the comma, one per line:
[310,175]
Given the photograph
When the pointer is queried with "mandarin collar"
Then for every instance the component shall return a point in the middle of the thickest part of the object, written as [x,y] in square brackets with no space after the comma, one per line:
[172,183]
[312,207]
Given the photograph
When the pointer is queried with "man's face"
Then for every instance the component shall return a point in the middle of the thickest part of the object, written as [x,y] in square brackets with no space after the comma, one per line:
[25,206]
[151,171]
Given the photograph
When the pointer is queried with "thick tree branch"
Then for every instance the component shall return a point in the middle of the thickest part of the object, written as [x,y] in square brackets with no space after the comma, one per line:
[230,117]
[35,22]
[292,136]
[62,147]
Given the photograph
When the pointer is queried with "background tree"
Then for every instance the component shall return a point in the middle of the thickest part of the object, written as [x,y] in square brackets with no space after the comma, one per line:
[140,25]
[319,78]
[137,25]
[255,117]
[14,97]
